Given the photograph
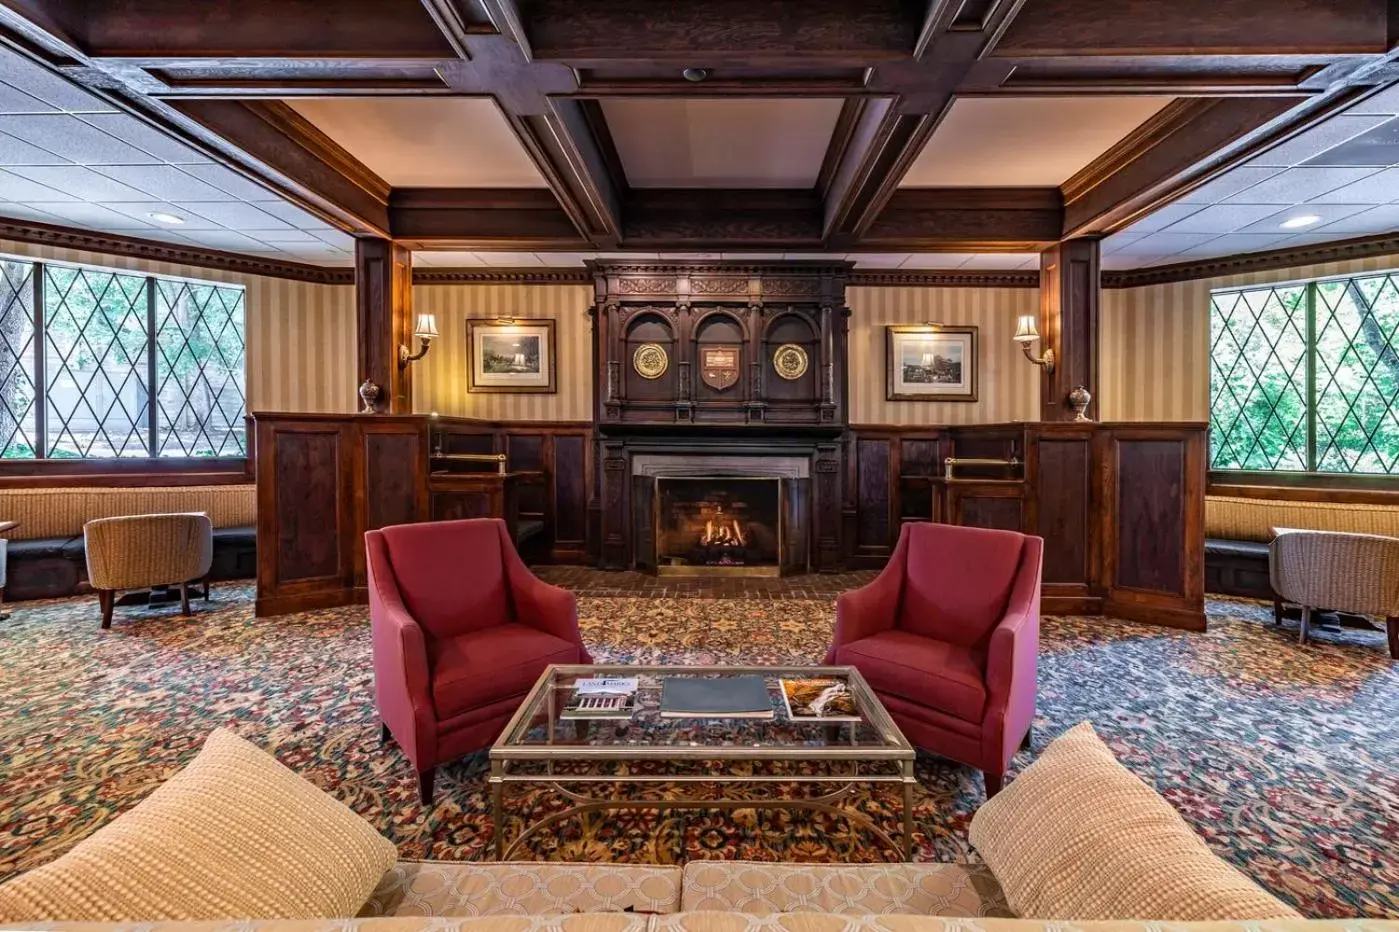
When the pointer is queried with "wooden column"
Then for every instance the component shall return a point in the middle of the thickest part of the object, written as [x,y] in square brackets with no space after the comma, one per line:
[384,305]
[1070,285]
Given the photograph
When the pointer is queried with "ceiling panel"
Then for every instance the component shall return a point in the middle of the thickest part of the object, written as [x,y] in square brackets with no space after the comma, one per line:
[862,260]
[426,142]
[1024,141]
[1336,180]
[752,143]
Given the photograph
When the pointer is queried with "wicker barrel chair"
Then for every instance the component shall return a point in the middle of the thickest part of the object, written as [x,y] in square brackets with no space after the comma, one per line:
[1343,572]
[139,551]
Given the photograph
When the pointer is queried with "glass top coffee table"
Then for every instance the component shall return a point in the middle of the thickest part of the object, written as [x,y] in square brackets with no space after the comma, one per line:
[590,762]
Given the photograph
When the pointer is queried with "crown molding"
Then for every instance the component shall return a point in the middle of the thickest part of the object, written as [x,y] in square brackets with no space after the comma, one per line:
[470,276]
[26,231]
[933,278]
[1362,247]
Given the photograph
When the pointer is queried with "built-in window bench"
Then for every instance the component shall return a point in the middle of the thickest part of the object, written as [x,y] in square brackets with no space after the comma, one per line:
[46,558]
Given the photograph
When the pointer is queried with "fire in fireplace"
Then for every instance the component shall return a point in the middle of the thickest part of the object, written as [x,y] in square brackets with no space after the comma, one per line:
[718,525]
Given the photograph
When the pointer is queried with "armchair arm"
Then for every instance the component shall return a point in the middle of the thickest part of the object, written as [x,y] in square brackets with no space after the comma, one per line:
[402,676]
[1012,659]
[538,604]
[873,607]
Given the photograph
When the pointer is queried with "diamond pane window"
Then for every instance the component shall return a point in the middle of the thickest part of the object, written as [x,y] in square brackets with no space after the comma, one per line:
[100,363]
[1306,377]
[199,343]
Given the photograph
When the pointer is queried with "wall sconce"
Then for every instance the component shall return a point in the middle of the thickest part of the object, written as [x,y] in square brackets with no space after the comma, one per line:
[426,332]
[1027,332]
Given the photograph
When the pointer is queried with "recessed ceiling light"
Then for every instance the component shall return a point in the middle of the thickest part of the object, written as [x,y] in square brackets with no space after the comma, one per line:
[1296,223]
[695,75]
[161,217]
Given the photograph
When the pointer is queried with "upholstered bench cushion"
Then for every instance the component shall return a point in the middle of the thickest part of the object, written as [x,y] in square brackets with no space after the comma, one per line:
[852,889]
[1253,519]
[62,512]
[69,548]
[1236,548]
[1077,836]
[449,888]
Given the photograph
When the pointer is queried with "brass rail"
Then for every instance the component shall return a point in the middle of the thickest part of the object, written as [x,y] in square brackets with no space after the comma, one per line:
[951,462]
[497,458]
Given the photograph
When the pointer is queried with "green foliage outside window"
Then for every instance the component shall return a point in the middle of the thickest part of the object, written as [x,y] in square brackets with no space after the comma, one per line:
[1305,377]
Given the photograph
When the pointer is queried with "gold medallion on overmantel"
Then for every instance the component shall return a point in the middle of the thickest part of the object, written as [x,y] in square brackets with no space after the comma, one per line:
[789,361]
[650,360]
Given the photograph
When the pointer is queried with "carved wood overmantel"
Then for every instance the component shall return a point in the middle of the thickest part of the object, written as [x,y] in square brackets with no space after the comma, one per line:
[720,343]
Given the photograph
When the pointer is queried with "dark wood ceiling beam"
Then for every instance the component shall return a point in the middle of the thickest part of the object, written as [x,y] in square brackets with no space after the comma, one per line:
[974,219]
[662,218]
[1185,144]
[477,218]
[310,164]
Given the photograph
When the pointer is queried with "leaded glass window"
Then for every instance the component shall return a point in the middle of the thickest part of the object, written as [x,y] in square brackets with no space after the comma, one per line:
[1305,377]
[102,363]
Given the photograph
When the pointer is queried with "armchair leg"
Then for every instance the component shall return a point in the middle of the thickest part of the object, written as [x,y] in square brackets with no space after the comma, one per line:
[1392,624]
[205,597]
[384,735]
[106,599]
[1277,611]
[1029,738]
[1306,623]
[425,786]
[184,598]
[994,782]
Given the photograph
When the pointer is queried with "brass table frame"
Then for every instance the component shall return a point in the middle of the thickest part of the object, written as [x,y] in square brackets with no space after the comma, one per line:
[846,762]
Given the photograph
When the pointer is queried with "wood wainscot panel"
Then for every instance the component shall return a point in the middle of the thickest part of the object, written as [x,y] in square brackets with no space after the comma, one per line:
[870,518]
[988,503]
[1061,509]
[572,475]
[395,461]
[1154,480]
[305,513]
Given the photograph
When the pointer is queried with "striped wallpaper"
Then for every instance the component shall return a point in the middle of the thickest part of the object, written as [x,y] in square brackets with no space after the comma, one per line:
[1008,387]
[301,337]
[1155,341]
[439,380]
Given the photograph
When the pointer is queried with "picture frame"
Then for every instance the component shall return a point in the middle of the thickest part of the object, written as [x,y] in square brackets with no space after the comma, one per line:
[931,362]
[516,356]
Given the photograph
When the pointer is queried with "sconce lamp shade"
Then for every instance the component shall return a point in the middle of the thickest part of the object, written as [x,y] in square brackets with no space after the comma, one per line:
[1027,331]
[426,328]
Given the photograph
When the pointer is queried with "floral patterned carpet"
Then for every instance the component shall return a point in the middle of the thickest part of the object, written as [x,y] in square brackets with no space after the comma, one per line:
[1285,758]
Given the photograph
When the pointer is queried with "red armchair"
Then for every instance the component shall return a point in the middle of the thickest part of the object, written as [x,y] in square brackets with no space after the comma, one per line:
[947,635]
[462,629]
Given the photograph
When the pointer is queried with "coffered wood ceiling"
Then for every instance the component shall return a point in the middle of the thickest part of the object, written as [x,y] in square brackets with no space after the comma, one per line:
[567,125]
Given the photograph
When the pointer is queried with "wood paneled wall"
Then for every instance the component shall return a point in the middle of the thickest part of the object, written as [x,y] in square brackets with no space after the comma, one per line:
[439,379]
[1154,349]
[301,336]
[1008,387]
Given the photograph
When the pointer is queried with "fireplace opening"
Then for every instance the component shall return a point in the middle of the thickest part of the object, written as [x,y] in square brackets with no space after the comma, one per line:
[718,525]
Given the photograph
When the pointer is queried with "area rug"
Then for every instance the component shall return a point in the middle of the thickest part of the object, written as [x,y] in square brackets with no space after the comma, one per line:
[1281,756]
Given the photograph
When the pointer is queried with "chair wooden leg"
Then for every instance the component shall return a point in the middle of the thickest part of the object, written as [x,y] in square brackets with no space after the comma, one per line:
[1306,623]
[994,782]
[425,786]
[1277,611]
[184,598]
[1392,625]
[384,735]
[206,586]
[106,599]
[1029,738]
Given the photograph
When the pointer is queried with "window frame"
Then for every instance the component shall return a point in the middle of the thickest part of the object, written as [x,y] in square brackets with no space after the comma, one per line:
[1310,478]
[152,468]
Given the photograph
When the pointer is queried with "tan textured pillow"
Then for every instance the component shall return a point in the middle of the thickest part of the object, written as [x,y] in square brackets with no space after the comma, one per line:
[1077,836]
[235,835]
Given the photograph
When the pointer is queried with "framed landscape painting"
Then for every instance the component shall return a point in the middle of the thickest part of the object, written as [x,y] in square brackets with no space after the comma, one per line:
[927,362]
[516,356]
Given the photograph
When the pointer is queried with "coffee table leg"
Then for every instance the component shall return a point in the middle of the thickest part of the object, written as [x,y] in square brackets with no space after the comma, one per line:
[908,811]
[498,813]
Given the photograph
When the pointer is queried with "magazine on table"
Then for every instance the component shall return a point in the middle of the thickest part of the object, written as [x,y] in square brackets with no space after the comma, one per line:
[604,697]
[819,699]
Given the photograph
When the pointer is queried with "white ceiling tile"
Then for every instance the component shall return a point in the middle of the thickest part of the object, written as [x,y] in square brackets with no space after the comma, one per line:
[15,188]
[1161,244]
[1294,185]
[875,260]
[628,255]
[1221,218]
[83,183]
[142,210]
[447,259]
[333,238]
[245,189]
[1118,240]
[25,212]
[221,239]
[1124,261]
[1000,260]
[165,181]
[1164,217]
[510,260]
[1273,223]
[288,212]
[1382,219]
[1231,182]
[14,100]
[1378,188]
[144,137]
[238,216]
[1236,243]
[1317,140]
[936,260]
[71,138]
[97,216]
[37,81]
[1385,102]
[18,152]
[565,259]
[288,235]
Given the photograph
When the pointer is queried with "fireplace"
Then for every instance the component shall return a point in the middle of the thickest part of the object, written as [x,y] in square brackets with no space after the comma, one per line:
[718,525]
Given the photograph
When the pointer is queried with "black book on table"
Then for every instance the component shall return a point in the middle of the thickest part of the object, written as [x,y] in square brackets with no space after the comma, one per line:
[715,697]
